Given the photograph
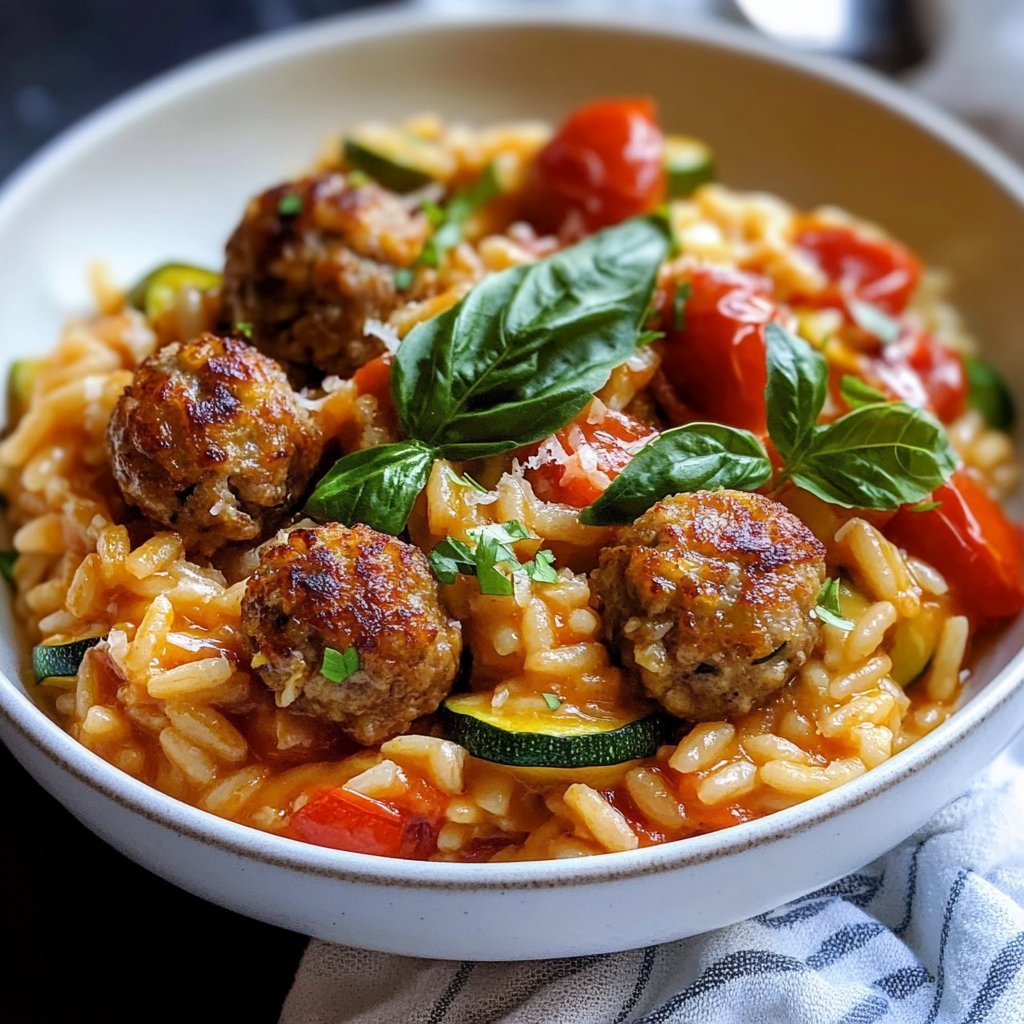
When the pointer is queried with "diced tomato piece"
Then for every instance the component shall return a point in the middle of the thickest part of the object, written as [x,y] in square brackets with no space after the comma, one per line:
[343,819]
[606,163]
[374,378]
[969,539]
[576,465]
[874,270]
[923,372]
[715,363]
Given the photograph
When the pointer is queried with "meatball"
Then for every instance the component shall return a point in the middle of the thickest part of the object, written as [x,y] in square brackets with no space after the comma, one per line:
[708,597]
[312,261]
[210,440]
[332,586]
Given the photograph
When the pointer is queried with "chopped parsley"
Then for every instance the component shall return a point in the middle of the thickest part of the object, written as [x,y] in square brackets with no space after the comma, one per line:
[7,560]
[290,204]
[491,559]
[828,608]
[403,279]
[339,665]
[244,328]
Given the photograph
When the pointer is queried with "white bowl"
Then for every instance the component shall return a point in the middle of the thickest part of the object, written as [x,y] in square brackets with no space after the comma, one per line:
[165,173]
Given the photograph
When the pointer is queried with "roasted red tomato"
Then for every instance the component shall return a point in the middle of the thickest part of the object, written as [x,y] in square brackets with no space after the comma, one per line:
[346,820]
[971,542]
[715,350]
[878,271]
[922,371]
[576,465]
[606,163]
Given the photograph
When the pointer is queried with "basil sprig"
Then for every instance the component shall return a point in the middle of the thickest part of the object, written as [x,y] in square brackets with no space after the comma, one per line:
[516,359]
[828,609]
[447,221]
[879,456]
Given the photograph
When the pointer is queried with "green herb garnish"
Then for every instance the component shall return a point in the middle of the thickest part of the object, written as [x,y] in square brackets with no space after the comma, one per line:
[828,608]
[464,480]
[403,278]
[339,665]
[448,221]
[7,560]
[879,456]
[290,204]
[244,328]
[553,701]
[874,321]
[516,359]
[492,548]
[857,392]
[987,392]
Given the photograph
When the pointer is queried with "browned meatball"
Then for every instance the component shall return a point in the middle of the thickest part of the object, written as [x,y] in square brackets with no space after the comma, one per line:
[343,588]
[210,440]
[312,261]
[708,599]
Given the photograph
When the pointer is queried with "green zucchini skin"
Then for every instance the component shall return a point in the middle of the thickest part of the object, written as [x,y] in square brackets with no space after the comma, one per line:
[689,163]
[154,293]
[385,169]
[49,660]
[488,742]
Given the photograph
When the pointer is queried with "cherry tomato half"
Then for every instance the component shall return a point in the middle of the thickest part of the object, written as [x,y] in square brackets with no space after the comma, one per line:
[922,371]
[606,163]
[581,460]
[343,819]
[874,270]
[715,362]
[971,542]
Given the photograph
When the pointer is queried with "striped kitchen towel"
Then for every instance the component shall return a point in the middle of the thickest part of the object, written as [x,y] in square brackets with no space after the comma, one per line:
[932,933]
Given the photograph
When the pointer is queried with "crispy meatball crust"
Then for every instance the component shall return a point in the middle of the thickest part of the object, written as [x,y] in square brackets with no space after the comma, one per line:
[333,586]
[308,281]
[210,440]
[707,598]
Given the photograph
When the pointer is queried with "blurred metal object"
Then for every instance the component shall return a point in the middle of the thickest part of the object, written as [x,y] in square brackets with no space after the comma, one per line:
[883,33]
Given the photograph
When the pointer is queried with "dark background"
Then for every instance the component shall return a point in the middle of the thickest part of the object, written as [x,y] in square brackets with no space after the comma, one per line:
[89,936]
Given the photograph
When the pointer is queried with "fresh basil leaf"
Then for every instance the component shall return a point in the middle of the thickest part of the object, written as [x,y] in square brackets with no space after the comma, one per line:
[527,348]
[857,392]
[541,568]
[987,392]
[375,486]
[7,560]
[451,558]
[873,321]
[447,222]
[795,392]
[828,608]
[337,666]
[698,456]
[877,457]
[553,701]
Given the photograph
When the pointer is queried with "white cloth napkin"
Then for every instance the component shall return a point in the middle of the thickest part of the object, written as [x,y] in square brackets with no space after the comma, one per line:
[932,933]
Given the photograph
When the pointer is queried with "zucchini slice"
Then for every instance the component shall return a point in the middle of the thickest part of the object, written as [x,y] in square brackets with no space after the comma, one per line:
[397,159]
[159,289]
[688,164]
[545,738]
[56,662]
[914,642]
[21,379]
